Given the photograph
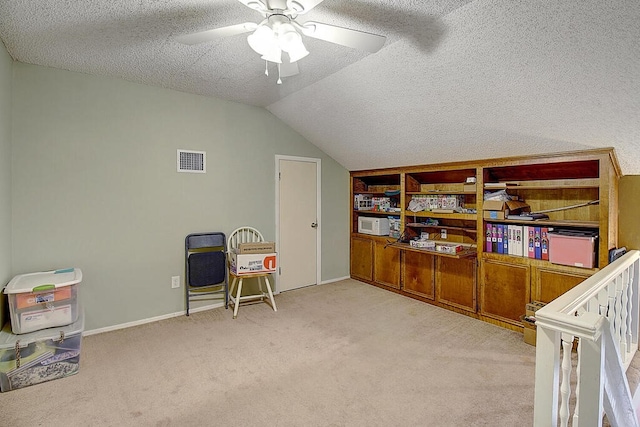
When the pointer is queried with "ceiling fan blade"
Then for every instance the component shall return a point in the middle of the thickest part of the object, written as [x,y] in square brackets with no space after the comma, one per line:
[258,5]
[344,36]
[288,69]
[216,33]
[302,6]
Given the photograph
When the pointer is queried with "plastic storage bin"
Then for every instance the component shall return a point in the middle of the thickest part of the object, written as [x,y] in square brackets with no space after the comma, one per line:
[39,356]
[43,300]
[573,248]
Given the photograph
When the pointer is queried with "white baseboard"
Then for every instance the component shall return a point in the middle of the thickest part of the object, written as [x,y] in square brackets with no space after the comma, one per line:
[151,319]
[170,315]
[324,282]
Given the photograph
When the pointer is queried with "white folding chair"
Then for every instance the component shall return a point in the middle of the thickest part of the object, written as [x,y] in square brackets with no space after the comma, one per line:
[246,235]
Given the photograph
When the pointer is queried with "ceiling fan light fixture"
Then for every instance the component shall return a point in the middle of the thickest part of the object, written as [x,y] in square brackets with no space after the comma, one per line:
[298,52]
[261,40]
[274,54]
[288,37]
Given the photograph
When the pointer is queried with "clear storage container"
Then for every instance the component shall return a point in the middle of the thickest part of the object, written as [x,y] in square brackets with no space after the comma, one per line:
[39,356]
[43,300]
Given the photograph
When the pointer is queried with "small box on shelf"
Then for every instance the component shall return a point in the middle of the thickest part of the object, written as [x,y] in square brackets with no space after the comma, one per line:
[449,248]
[532,307]
[529,331]
[499,209]
[469,187]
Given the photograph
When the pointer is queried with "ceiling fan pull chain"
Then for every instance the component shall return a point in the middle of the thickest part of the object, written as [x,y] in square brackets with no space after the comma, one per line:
[279,79]
[266,68]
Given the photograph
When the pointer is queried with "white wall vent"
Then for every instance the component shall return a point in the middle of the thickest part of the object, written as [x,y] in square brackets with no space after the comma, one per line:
[192,161]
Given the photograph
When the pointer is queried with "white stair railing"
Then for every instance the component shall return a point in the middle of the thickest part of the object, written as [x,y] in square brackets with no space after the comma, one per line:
[603,313]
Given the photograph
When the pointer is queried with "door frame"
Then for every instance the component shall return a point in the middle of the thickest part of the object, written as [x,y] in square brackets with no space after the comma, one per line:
[318,163]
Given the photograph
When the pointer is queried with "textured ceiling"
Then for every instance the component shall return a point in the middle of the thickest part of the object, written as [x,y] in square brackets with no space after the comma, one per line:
[456,79]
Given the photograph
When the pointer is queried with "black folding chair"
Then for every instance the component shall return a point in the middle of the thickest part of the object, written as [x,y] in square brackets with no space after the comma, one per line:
[205,267]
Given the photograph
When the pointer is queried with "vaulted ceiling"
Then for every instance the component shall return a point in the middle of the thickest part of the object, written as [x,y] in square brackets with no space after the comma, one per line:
[455,80]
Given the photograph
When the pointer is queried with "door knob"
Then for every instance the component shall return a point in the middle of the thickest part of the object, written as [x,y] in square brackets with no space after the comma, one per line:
[314,225]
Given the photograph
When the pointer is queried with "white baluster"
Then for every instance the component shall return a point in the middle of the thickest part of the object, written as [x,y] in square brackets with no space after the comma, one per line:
[602,302]
[629,285]
[618,312]
[576,411]
[565,385]
[624,314]
[611,307]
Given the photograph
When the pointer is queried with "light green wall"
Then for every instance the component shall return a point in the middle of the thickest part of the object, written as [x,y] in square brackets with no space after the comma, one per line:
[95,185]
[629,221]
[6,65]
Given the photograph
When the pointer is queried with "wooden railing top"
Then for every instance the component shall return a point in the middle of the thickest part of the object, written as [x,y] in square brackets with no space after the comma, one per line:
[560,313]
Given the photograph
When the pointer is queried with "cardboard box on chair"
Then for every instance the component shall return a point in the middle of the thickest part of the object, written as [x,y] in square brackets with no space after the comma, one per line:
[246,264]
[256,248]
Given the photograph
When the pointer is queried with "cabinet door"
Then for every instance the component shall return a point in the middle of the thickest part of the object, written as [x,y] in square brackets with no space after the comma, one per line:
[456,282]
[549,284]
[504,291]
[386,268]
[418,274]
[362,258]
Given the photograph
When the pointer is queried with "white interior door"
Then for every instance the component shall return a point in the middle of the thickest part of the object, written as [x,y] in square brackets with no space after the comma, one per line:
[298,222]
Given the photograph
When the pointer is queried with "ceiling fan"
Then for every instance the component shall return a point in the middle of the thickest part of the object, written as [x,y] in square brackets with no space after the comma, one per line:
[280,32]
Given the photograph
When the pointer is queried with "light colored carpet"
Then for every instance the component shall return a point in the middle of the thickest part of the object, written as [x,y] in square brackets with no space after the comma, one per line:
[341,354]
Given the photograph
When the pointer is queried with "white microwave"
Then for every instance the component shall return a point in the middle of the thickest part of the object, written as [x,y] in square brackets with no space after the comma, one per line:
[373,226]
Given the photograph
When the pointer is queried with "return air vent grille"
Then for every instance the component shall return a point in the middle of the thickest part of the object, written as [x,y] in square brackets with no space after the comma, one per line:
[192,161]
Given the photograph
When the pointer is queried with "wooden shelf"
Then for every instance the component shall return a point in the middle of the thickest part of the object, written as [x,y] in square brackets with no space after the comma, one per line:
[376,193]
[536,262]
[541,187]
[427,214]
[466,253]
[443,192]
[445,227]
[546,223]
[564,184]
[493,287]
[383,213]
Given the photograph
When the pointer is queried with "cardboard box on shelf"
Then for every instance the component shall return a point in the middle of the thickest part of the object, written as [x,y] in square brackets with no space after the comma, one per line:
[529,332]
[449,248]
[532,307]
[499,209]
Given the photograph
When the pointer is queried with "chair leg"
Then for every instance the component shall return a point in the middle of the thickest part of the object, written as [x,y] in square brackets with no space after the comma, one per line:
[273,302]
[226,294]
[186,289]
[237,302]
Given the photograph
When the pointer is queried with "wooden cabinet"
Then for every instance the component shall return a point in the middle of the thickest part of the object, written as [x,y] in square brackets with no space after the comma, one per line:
[577,190]
[548,283]
[386,268]
[456,282]
[372,260]
[418,274]
[504,290]
[362,258]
